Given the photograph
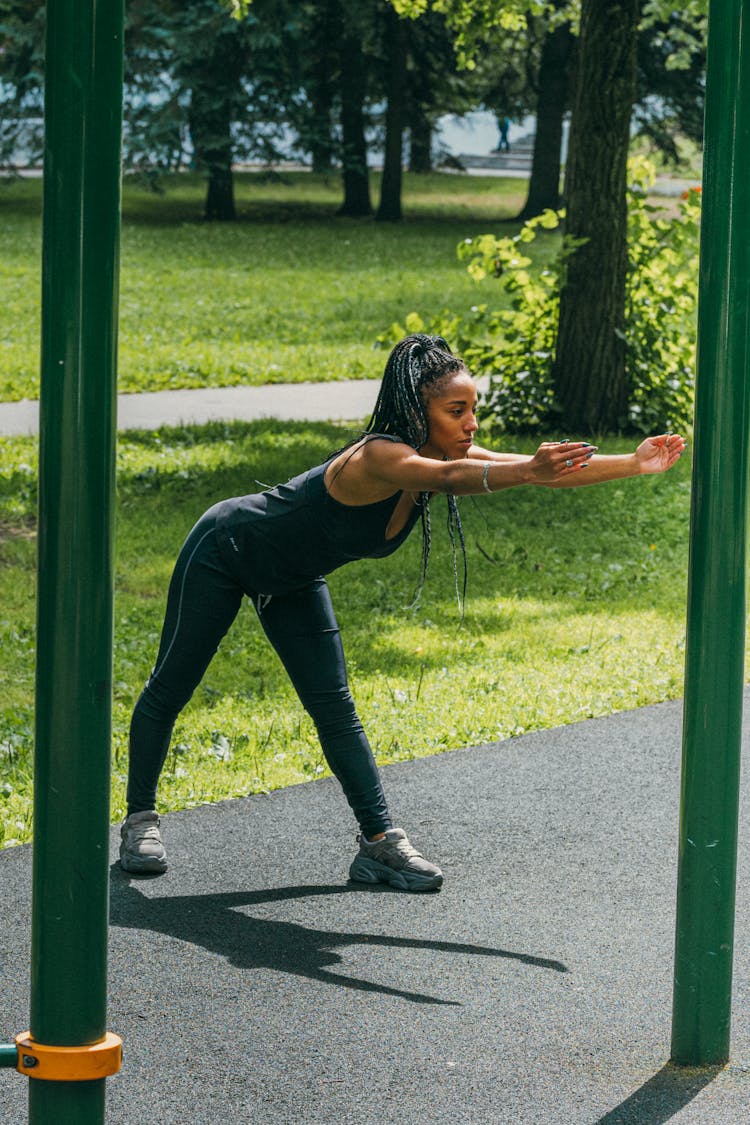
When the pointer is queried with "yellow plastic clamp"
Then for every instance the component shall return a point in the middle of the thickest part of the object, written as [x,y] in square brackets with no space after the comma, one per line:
[69,1064]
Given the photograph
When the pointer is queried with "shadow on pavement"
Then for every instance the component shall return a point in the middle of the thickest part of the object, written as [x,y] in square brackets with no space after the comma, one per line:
[663,1096]
[215,922]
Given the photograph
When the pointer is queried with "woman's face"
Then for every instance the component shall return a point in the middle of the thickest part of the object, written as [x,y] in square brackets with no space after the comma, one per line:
[451,416]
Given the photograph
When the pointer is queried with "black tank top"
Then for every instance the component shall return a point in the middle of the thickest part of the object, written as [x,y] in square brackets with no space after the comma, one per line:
[280,540]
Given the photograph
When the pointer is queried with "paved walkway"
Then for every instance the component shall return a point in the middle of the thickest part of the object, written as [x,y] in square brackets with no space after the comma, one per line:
[304,402]
[316,402]
[252,983]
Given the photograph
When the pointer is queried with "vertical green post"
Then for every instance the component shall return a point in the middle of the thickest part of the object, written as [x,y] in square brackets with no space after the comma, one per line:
[716,596]
[80,258]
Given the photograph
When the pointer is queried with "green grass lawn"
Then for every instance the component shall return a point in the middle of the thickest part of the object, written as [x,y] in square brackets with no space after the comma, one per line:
[290,292]
[575,609]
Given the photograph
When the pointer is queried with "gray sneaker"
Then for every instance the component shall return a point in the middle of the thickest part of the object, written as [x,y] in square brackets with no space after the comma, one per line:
[141,850]
[393,860]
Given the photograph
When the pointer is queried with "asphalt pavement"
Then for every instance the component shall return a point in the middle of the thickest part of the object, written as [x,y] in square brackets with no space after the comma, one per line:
[253,982]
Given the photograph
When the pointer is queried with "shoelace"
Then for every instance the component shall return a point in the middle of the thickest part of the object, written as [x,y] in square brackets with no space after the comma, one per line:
[145,832]
[404,848]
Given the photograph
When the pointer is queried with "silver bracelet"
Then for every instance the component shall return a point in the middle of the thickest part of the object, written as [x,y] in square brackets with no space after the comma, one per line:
[485,485]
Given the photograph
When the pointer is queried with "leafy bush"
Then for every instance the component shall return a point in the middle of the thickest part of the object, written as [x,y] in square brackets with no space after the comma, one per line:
[513,342]
[661,304]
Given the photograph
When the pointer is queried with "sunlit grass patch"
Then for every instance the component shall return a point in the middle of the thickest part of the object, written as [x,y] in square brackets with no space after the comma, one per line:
[288,293]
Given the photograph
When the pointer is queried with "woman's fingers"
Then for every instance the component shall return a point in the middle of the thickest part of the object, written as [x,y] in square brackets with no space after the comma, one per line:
[573,455]
[560,458]
[660,452]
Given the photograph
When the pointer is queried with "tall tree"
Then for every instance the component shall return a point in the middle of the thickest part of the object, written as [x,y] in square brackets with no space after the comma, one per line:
[204,87]
[395,118]
[434,85]
[353,71]
[421,129]
[320,77]
[589,367]
[212,69]
[553,84]
[514,59]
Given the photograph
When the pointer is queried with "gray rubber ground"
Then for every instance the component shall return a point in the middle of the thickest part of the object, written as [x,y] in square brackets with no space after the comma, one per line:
[252,983]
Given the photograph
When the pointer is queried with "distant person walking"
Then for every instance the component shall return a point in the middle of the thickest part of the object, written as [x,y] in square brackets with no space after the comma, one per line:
[503,125]
[275,548]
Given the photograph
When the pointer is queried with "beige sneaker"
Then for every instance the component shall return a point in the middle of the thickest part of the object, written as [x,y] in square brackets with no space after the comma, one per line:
[142,851]
[394,861]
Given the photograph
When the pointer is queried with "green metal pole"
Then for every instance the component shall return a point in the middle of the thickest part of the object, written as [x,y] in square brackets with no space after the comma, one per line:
[716,596]
[80,259]
[8,1055]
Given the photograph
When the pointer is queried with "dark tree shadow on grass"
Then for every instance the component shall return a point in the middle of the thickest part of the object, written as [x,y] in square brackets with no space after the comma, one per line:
[217,923]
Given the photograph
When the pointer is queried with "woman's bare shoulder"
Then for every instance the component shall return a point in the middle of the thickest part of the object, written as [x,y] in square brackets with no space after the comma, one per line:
[356,474]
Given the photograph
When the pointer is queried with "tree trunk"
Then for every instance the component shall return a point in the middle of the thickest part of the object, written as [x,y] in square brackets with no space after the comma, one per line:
[321,139]
[420,141]
[220,194]
[210,131]
[354,146]
[589,367]
[321,89]
[389,209]
[552,100]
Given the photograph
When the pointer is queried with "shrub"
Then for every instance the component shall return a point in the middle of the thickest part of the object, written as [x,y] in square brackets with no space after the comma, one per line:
[514,342]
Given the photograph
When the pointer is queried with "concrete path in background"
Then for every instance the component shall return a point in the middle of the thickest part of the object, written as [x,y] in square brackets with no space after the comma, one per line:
[314,402]
[253,983]
[345,400]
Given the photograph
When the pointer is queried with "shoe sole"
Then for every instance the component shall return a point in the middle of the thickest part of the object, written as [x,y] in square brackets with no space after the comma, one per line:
[149,865]
[364,870]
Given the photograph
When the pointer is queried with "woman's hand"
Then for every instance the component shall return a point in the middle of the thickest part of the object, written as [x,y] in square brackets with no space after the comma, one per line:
[555,460]
[654,455]
[657,454]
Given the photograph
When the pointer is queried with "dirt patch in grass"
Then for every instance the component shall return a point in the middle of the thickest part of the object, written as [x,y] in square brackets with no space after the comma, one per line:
[9,533]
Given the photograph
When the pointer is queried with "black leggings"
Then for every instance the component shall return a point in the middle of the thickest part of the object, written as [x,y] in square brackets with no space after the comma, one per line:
[203,601]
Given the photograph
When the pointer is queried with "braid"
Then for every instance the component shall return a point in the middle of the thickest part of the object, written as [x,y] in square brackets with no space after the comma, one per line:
[424,505]
[414,367]
[455,530]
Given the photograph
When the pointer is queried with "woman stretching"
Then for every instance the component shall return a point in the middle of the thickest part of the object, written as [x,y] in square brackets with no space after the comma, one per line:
[275,548]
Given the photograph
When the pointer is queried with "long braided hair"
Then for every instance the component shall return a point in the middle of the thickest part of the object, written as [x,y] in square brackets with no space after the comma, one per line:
[412,375]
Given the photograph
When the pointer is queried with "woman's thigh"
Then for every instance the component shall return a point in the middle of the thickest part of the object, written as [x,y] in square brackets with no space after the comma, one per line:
[202,603]
[303,629]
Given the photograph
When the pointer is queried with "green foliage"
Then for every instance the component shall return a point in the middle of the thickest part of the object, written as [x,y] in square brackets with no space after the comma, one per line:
[474,22]
[523,332]
[513,340]
[681,29]
[661,305]
[671,67]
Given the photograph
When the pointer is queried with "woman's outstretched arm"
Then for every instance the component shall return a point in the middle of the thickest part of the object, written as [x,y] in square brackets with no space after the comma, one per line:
[653,455]
[554,465]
